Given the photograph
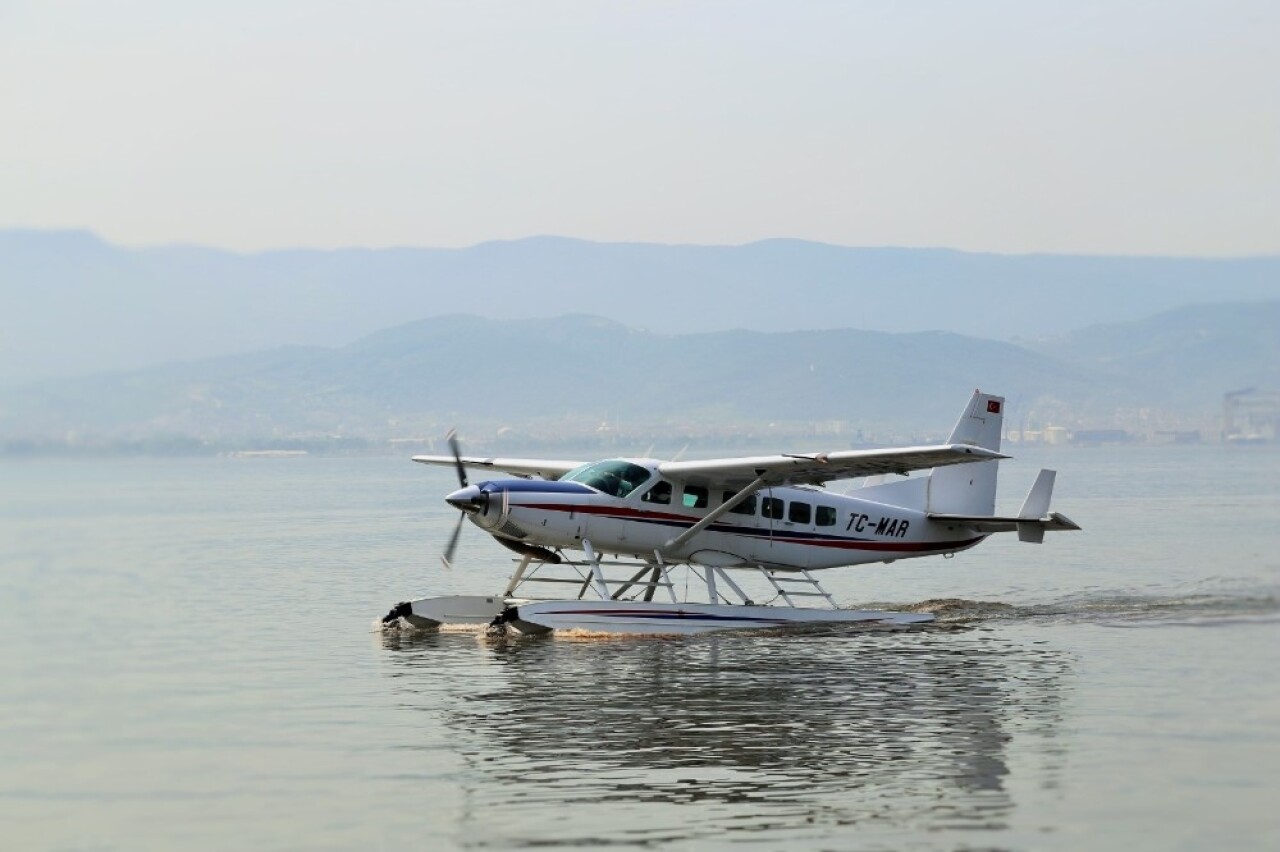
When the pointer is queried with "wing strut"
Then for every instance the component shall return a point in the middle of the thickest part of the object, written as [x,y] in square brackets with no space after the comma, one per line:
[714,515]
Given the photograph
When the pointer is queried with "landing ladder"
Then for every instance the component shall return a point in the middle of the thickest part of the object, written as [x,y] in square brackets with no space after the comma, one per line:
[815,590]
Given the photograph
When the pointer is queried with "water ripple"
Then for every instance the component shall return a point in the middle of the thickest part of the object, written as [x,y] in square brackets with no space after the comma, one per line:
[689,739]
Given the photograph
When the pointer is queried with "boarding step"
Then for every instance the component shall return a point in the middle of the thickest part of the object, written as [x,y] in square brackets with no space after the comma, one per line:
[776,579]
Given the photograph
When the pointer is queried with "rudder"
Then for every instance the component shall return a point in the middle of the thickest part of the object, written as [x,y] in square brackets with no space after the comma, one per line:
[970,489]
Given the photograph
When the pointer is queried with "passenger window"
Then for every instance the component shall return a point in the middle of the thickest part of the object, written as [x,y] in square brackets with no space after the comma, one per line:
[659,493]
[746,507]
[695,497]
[826,516]
[799,513]
[771,507]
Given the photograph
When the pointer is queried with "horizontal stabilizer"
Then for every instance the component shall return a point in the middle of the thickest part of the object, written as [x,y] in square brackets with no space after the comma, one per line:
[1030,523]
[1028,529]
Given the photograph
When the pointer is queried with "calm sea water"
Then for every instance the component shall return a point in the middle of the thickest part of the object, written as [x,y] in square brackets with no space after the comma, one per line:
[187,661]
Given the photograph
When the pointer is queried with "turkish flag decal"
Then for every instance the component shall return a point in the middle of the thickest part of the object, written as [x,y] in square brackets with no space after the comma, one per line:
[993,407]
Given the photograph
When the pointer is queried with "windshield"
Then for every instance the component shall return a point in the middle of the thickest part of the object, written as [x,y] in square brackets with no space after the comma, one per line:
[615,478]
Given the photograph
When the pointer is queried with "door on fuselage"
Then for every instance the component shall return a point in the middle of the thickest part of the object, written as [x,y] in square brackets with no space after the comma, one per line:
[616,479]
[744,535]
[770,510]
[646,532]
[792,529]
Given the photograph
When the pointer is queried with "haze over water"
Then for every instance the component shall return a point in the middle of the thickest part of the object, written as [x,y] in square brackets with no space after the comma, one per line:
[188,662]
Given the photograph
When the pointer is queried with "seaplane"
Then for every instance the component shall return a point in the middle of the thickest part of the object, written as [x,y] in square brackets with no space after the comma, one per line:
[614,533]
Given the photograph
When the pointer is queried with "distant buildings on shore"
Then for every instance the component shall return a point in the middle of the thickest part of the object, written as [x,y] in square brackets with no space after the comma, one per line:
[1249,416]
[1060,435]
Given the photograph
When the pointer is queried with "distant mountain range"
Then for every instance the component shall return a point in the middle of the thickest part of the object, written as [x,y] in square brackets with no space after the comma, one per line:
[573,373]
[75,304]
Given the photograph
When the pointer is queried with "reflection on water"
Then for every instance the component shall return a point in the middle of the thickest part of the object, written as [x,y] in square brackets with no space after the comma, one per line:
[708,737]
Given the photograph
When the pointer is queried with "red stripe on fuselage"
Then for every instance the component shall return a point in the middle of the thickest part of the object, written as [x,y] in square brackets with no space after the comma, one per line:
[834,542]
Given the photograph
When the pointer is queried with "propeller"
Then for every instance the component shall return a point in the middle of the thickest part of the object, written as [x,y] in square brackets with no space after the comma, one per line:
[452,438]
[479,502]
[447,556]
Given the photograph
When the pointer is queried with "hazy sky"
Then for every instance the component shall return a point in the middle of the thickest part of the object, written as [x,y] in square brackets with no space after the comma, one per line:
[1138,127]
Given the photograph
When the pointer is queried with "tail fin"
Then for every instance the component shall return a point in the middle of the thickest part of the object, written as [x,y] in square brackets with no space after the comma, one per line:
[970,489]
[1036,506]
[1037,503]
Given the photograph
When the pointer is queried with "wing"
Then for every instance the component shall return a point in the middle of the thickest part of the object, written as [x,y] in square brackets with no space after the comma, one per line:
[817,468]
[545,468]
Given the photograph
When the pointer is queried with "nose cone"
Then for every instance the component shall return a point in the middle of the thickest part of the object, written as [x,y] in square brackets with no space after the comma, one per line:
[470,499]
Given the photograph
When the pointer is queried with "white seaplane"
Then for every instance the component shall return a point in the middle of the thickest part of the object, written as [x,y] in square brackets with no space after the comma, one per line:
[720,518]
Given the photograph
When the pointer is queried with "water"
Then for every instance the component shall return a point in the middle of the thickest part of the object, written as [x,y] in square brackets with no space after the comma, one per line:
[187,661]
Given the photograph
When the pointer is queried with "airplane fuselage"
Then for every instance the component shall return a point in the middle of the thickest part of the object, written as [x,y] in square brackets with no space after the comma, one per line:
[785,527]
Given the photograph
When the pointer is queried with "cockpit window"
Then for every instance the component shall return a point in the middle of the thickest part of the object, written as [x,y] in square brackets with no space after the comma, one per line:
[613,477]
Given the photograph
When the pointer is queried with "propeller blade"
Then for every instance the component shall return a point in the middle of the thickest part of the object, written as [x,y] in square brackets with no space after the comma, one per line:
[452,437]
[447,556]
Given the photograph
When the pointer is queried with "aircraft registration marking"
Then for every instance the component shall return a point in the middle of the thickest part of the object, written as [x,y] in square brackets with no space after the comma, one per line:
[886,526]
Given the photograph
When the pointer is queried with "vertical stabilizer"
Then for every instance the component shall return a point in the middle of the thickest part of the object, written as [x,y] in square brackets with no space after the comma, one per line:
[970,489]
[1036,506]
[1037,503]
